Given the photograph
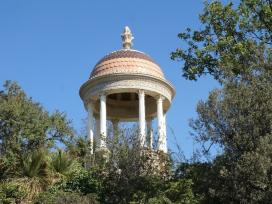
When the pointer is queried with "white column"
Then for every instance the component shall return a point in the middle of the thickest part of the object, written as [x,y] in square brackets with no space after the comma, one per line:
[97,131]
[142,122]
[103,121]
[149,134]
[90,127]
[161,131]
[164,134]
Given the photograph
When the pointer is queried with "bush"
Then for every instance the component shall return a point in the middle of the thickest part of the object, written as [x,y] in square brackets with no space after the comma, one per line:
[62,197]
[11,193]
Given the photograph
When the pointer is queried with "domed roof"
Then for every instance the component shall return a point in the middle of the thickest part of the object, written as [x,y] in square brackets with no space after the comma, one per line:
[127,61]
[120,76]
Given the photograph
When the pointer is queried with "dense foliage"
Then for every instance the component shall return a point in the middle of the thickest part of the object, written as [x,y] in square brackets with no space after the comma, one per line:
[234,43]
[25,126]
[234,47]
[34,170]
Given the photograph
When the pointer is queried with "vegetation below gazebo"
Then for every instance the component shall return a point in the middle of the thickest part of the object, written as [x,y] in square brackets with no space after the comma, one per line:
[35,170]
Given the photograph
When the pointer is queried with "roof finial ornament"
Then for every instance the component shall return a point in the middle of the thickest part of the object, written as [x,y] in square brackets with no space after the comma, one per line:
[127,38]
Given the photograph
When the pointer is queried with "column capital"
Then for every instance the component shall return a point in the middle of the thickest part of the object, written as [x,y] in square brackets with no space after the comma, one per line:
[141,91]
[89,106]
[102,95]
[159,98]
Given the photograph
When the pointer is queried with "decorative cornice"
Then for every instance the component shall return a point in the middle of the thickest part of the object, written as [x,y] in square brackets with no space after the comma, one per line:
[113,77]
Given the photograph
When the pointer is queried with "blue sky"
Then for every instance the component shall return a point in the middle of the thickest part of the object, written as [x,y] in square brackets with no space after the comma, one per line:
[50,47]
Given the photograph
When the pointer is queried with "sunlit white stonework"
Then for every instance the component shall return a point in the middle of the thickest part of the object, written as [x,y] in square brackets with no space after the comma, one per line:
[127,85]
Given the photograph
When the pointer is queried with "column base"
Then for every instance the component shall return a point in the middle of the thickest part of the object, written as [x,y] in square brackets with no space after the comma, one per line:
[89,161]
[156,163]
[102,154]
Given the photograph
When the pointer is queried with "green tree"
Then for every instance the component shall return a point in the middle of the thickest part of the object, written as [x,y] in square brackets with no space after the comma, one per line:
[202,176]
[234,47]
[234,43]
[180,191]
[24,126]
[239,119]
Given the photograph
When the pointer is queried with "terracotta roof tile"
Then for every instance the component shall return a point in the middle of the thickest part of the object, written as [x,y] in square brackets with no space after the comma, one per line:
[127,61]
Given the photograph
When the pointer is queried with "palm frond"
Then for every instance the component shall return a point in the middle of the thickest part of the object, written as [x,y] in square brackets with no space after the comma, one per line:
[61,162]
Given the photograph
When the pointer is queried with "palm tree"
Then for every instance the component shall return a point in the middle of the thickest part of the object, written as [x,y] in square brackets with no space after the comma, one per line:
[35,164]
[35,173]
[61,162]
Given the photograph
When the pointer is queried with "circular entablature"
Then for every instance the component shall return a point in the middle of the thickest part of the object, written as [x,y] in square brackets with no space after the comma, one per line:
[122,94]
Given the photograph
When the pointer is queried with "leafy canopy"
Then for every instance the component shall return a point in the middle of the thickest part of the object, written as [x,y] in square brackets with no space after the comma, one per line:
[235,41]
[233,46]
[25,126]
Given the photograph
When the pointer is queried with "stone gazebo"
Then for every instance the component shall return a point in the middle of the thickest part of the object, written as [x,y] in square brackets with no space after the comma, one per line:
[127,85]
